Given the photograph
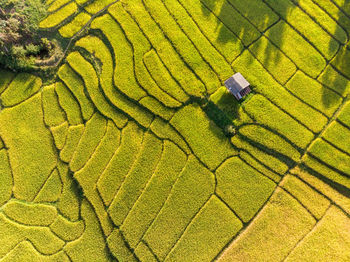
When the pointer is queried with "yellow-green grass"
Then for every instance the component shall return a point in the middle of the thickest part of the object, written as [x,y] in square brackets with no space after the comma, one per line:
[244,189]
[254,163]
[149,78]
[72,140]
[182,44]
[341,61]
[93,133]
[226,102]
[327,172]
[73,27]
[338,135]
[172,60]
[51,190]
[334,11]
[53,113]
[59,134]
[257,12]
[151,61]
[124,78]
[30,214]
[329,241]
[157,108]
[12,233]
[315,34]
[314,94]
[119,166]
[5,178]
[154,195]
[59,16]
[268,159]
[344,115]
[323,19]
[96,46]
[21,88]
[88,176]
[190,192]
[164,130]
[269,142]
[143,253]
[25,251]
[330,155]
[209,232]
[85,69]
[233,20]
[68,104]
[6,78]
[265,113]
[119,248]
[202,43]
[223,39]
[269,236]
[295,47]
[136,179]
[67,230]
[264,84]
[69,202]
[332,79]
[57,4]
[311,199]
[325,189]
[30,147]
[278,65]
[76,86]
[97,6]
[343,5]
[206,140]
[164,80]
[91,244]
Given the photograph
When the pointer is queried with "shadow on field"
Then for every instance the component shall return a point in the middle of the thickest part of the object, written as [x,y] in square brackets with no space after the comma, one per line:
[270,16]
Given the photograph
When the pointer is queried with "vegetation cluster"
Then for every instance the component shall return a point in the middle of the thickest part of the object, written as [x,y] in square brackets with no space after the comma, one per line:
[20,43]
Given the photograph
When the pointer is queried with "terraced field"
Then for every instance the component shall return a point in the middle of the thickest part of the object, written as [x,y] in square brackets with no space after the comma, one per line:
[124,157]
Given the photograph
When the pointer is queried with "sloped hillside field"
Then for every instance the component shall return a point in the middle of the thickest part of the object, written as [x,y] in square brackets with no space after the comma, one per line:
[125,155]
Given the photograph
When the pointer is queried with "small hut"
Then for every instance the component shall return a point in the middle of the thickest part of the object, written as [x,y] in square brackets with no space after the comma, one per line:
[238,86]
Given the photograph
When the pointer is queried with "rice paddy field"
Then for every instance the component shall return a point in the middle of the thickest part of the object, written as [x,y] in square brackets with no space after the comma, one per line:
[123,156]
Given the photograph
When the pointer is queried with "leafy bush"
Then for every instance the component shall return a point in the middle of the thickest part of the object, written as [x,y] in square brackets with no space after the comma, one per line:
[20,43]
